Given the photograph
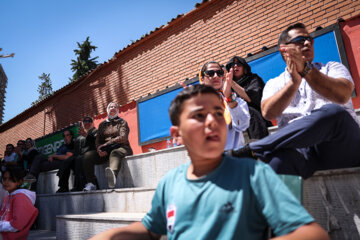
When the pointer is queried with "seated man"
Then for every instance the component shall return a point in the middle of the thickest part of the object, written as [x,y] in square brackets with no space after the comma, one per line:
[318,128]
[10,156]
[84,147]
[55,161]
[216,196]
[20,150]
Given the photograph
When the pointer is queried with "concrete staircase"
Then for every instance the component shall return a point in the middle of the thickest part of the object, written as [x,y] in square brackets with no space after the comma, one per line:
[80,215]
[332,197]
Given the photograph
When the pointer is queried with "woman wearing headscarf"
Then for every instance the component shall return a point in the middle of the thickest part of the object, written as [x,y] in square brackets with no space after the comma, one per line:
[112,142]
[249,86]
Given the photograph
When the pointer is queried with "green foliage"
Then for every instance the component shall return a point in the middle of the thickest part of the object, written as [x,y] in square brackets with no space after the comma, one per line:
[44,88]
[83,62]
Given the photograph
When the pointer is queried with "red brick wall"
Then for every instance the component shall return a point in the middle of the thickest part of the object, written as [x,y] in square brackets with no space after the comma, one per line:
[214,31]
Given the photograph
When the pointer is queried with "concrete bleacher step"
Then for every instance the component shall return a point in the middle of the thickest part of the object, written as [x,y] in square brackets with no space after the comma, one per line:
[84,226]
[112,200]
[332,197]
[41,235]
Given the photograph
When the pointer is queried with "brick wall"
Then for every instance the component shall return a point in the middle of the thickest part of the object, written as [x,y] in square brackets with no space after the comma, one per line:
[215,30]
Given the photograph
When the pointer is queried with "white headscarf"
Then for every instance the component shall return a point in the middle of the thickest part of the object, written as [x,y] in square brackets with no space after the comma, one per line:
[108,111]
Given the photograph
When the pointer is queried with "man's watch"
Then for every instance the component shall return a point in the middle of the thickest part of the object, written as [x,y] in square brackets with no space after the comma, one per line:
[231,99]
[308,66]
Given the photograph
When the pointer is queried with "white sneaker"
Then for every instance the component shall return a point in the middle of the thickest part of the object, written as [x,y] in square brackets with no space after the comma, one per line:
[29,178]
[89,187]
[111,178]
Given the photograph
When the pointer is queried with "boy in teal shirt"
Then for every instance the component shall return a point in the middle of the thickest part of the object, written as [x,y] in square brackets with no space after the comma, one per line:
[216,196]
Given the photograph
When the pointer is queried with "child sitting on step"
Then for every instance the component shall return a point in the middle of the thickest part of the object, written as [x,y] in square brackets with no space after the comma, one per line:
[17,212]
[216,196]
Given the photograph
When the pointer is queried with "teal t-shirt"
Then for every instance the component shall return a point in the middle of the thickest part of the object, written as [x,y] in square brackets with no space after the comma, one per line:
[238,200]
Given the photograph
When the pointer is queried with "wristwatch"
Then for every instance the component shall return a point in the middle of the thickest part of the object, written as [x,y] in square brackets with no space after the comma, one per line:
[308,66]
[231,99]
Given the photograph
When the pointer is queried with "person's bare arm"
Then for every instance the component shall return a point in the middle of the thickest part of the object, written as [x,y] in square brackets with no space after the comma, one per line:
[240,91]
[227,88]
[310,231]
[132,231]
[337,90]
[276,104]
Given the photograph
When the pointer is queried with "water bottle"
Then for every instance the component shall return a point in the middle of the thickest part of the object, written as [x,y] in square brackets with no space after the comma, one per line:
[174,142]
[168,143]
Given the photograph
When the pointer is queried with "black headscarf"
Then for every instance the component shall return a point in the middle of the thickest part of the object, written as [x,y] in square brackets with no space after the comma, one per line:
[247,68]
[253,86]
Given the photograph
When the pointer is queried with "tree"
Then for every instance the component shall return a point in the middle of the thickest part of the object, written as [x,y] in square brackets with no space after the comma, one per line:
[44,88]
[83,62]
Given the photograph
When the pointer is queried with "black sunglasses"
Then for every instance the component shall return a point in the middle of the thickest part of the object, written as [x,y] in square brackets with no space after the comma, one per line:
[235,64]
[211,73]
[87,121]
[300,40]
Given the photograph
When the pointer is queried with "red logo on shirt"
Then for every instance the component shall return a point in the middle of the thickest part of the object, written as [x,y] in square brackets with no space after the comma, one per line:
[171,214]
[170,217]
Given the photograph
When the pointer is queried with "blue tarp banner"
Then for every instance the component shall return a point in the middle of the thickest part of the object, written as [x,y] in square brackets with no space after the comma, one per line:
[154,118]
[273,65]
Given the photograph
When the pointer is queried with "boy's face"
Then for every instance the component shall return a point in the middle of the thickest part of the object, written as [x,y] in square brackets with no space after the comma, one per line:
[202,127]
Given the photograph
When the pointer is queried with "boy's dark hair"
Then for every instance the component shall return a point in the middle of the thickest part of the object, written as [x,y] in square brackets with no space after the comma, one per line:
[10,145]
[176,106]
[284,36]
[16,173]
[88,118]
[71,133]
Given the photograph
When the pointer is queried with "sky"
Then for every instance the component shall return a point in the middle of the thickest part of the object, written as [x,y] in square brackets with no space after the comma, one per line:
[44,33]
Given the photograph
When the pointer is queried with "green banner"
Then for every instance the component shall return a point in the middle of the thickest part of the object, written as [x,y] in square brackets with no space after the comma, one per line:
[49,144]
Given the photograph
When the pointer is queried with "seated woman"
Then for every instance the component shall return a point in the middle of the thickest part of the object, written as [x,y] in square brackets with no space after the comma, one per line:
[112,142]
[249,86]
[236,113]
[18,212]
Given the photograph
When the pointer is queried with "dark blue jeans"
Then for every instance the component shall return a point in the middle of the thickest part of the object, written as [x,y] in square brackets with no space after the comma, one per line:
[328,138]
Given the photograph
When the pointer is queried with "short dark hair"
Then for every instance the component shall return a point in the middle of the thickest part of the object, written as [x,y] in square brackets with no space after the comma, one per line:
[176,106]
[89,118]
[10,145]
[284,36]
[71,133]
[16,173]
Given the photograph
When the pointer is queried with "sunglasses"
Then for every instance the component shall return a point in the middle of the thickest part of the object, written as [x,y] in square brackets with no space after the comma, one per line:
[87,121]
[300,40]
[211,73]
[235,64]
[67,135]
